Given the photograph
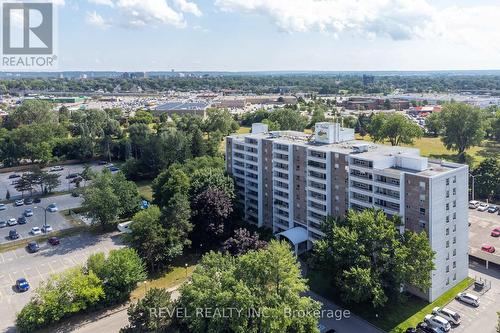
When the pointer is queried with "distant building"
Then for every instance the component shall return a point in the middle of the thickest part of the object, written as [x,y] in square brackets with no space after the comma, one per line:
[181,108]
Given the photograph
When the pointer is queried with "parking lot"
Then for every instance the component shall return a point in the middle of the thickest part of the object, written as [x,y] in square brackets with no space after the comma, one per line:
[55,220]
[36,267]
[7,183]
[481,225]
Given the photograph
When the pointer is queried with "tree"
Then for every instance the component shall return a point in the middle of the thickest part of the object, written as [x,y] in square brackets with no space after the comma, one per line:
[434,123]
[33,112]
[486,178]
[204,178]
[168,183]
[176,218]
[394,127]
[267,280]
[368,260]
[100,201]
[243,241]
[127,193]
[120,272]
[142,319]
[462,127]
[150,239]
[58,297]
[317,117]
[220,120]
[288,119]
[142,117]
[198,144]
[211,209]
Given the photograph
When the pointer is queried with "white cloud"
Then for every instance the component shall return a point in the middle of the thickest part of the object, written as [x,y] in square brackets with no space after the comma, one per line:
[188,7]
[398,19]
[139,13]
[93,18]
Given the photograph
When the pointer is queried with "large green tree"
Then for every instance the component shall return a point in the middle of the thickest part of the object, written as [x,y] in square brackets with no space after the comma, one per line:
[150,314]
[486,178]
[367,259]
[462,126]
[395,128]
[33,112]
[268,280]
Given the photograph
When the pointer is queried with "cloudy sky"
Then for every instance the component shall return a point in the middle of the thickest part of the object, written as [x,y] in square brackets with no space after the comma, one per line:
[259,35]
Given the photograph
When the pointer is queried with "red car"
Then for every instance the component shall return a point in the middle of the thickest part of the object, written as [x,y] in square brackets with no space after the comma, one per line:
[495,232]
[488,248]
[54,241]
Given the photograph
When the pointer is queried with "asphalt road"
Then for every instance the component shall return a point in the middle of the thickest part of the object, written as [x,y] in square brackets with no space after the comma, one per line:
[72,251]
[55,220]
[6,183]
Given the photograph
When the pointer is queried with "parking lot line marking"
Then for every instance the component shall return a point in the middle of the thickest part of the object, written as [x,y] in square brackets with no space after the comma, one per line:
[50,266]
[36,267]
[10,278]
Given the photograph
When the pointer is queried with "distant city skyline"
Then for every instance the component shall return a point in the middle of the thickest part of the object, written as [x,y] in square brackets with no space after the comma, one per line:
[278,35]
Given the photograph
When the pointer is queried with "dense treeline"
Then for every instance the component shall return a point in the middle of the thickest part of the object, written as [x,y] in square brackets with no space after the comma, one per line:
[319,83]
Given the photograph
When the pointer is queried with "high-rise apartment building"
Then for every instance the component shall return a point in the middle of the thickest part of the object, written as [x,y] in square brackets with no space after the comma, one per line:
[291,181]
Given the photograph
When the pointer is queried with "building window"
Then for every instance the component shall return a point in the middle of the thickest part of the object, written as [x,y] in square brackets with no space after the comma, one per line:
[447,281]
[422,198]
[448,256]
[454,179]
[422,224]
[447,181]
[447,231]
[454,240]
[447,206]
[454,203]
[447,218]
[422,185]
[454,216]
[447,268]
[447,244]
[447,194]
[454,227]
[422,211]
[454,264]
[454,276]
[454,191]
[454,252]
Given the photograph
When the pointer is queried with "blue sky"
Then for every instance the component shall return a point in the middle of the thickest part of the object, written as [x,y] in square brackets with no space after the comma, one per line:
[255,35]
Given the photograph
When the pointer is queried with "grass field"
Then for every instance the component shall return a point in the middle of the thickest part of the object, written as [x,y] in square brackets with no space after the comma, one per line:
[393,318]
[177,275]
[145,190]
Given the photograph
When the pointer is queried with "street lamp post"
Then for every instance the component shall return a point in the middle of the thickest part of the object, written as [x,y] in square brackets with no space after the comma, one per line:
[45,211]
[473,181]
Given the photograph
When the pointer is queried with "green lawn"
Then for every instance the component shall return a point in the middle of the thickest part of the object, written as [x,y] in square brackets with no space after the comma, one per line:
[393,318]
[145,190]
[174,277]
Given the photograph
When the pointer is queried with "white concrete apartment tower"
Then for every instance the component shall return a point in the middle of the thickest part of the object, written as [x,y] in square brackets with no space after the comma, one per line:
[290,182]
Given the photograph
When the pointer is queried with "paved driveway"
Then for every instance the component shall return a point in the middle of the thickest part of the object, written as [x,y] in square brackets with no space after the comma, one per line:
[36,267]
[55,220]
[482,223]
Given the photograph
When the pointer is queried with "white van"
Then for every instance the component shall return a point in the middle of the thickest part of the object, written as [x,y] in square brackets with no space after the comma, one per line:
[439,322]
[468,298]
[473,204]
[450,315]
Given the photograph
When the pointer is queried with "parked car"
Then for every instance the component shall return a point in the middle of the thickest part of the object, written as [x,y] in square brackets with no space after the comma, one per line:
[22,220]
[483,207]
[3,224]
[495,232]
[488,248]
[14,175]
[468,298]
[57,168]
[28,212]
[52,208]
[19,202]
[113,168]
[35,231]
[450,315]
[3,207]
[54,241]
[438,321]
[22,285]
[76,180]
[37,200]
[493,209]
[72,175]
[33,247]
[11,222]
[411,330]
[473,204]
[426,328]
[102,162]
[13,234]
[47,228]
[28,201]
